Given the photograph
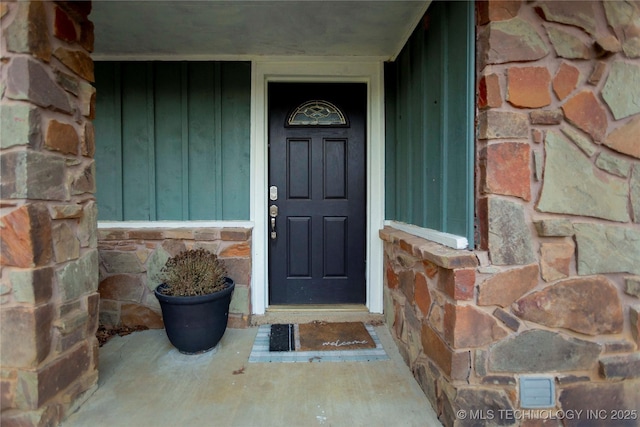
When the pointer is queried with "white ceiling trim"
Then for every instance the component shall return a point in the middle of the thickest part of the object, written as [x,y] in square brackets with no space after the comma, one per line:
[248,58]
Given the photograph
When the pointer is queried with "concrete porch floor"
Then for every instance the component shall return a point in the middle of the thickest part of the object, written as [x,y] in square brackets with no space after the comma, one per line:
[144,381]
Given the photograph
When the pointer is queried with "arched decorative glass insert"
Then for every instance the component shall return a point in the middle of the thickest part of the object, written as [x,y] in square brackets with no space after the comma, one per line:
[317,113]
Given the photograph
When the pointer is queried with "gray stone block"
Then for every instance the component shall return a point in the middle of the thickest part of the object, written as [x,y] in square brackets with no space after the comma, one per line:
[33,175]
[614,165]
[484,401]
[79,277]
[502,124]
[509,237]
[567,45]
[554,228]
[572,185]
[156,261]
[607,249]
[28,80]
[542,351]
[622,89]
[512,40]
[121,262]
[20,124]
[603,398]
[589,305]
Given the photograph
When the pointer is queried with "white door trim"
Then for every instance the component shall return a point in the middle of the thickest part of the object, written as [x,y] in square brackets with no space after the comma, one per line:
[321,70]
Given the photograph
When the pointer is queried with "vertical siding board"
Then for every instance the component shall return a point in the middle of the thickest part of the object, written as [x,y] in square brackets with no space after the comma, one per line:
[417,124]
[425,156]
[448,194]
[168,129]
[402,180]
[467,48]
[217,159]
[202,109]
[109,143]
[135,143]
[391,105]
[433,130]
[184,122]
[458,165]
[470,52]
[153,213]
[235,142]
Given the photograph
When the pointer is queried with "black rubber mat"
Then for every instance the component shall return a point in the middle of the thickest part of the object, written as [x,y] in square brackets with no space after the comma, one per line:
[282,338]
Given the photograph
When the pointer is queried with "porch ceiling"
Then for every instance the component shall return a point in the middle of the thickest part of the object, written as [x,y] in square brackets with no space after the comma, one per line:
[136,29]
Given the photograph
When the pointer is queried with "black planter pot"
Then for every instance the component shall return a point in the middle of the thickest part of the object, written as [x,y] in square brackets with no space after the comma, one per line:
[196,324]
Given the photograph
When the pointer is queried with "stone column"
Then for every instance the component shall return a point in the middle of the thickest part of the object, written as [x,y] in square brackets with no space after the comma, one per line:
[48,250]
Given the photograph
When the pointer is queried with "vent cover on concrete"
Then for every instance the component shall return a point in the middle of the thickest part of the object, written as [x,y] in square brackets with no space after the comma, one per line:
[537,392]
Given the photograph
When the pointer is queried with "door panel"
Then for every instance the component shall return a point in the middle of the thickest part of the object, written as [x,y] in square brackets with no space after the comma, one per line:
[335,247]
[335,169]
[298,163]
[318,253]
[299,250]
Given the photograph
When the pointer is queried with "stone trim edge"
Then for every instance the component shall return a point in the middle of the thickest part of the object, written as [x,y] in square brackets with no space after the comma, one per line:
[434,252]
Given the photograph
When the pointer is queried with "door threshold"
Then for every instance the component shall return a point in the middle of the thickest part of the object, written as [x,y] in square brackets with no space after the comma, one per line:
[317,307]
[317,313]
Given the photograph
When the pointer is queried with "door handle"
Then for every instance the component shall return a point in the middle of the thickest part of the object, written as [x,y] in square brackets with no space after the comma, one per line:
[273,213]
[273,229]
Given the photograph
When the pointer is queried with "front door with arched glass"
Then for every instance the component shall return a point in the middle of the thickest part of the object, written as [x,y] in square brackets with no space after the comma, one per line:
[317,193]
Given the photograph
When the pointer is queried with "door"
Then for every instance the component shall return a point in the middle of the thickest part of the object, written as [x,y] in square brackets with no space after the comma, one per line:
[317,184]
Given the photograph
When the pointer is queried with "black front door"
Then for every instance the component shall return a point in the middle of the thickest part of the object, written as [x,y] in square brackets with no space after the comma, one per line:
[317,158]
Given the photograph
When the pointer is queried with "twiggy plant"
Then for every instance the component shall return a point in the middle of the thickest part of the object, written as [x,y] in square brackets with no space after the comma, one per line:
[193,272]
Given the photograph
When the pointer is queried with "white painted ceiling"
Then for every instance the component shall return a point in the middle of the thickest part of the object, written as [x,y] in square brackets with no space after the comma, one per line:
[159,29]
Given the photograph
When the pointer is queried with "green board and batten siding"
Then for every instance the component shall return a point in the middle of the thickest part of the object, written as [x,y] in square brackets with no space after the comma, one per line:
[173,140]
[429,129]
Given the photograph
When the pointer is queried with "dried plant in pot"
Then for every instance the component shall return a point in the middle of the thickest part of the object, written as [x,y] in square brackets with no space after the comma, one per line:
[194,296]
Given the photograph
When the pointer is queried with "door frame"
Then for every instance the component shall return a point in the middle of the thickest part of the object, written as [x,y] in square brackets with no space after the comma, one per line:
[317,70]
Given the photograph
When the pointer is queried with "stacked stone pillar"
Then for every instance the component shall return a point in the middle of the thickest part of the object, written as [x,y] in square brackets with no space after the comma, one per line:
[553,286]
[48,257]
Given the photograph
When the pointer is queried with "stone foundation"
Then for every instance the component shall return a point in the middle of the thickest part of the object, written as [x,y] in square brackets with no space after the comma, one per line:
[469,330]
[48,250]
[130,260]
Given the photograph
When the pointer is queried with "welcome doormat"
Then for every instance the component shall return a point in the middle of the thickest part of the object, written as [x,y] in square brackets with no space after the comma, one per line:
[322,336]
[317,342]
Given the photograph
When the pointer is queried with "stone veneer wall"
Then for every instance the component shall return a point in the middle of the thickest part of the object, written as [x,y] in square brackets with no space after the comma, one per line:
[48,250]
[554,286]
[130,260]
